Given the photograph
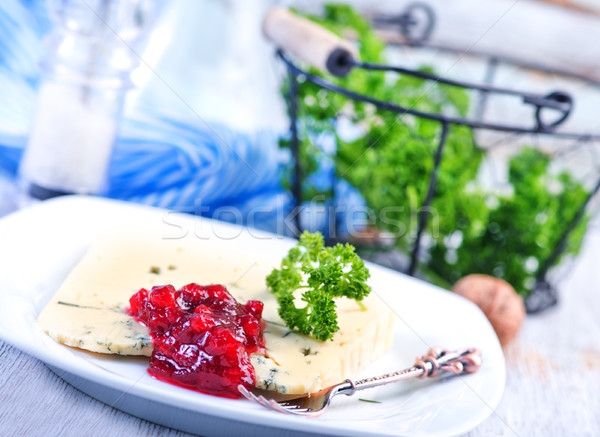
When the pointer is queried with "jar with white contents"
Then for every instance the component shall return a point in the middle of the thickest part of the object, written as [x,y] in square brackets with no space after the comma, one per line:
[90,54]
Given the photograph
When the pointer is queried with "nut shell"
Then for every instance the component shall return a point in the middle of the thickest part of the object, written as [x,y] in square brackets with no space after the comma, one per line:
[498,300]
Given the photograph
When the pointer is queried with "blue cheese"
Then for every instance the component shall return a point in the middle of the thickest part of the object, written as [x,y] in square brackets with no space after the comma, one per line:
[88,311]
[294,363]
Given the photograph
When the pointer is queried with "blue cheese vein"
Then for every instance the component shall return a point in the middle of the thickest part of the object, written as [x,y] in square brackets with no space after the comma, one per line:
[88,311]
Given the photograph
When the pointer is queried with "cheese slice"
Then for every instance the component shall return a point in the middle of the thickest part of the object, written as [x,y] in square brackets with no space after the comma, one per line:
[88,311]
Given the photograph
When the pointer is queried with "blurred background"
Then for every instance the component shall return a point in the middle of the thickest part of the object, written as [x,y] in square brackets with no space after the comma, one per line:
[185,106]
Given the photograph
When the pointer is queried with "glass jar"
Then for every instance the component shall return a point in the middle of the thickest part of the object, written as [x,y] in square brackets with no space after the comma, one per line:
[90,54]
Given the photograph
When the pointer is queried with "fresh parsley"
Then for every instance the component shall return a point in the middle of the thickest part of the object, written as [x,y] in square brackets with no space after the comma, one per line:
[316,275]
[509,232]
[369,400]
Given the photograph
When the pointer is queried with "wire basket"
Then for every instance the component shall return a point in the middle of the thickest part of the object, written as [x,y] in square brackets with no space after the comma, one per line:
[549,112]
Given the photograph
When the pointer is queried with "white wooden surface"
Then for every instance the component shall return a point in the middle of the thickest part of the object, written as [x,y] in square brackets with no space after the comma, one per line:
[553,378]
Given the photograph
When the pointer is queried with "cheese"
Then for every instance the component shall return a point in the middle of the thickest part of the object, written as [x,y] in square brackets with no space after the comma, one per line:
[298,364]
[88,311]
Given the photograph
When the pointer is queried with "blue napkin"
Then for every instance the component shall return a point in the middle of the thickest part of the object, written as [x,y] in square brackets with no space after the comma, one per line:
[161,157]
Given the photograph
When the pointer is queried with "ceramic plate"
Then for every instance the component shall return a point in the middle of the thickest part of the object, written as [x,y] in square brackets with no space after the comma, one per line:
[41,244]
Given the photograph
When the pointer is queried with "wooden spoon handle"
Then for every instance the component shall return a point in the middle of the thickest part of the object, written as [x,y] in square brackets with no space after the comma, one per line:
[310,42]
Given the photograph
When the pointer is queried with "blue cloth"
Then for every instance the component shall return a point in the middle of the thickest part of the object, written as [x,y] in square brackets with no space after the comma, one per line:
[158,160]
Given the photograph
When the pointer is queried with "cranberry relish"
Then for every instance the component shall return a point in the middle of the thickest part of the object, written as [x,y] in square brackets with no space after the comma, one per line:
[202,336]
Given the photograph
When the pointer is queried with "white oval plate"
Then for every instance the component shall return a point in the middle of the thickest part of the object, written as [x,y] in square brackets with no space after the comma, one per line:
[41,244]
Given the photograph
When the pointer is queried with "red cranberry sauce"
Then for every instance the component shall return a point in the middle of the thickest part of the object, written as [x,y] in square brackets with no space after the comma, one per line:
[202,336]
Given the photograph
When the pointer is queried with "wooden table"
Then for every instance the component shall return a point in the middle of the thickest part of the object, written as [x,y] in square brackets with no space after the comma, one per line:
[553,380]
[553,368]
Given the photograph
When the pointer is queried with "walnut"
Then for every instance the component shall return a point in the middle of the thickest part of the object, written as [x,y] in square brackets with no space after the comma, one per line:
[503,307]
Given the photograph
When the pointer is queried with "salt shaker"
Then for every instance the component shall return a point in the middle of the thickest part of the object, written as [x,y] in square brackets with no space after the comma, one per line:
[86,72]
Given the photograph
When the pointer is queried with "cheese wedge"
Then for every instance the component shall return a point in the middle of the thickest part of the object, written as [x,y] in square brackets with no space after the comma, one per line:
[88,311]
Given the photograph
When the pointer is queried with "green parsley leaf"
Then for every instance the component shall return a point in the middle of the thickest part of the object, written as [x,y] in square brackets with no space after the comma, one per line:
[322,274]
[509,233]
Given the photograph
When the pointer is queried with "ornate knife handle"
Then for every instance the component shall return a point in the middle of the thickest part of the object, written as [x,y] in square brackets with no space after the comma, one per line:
[429,365]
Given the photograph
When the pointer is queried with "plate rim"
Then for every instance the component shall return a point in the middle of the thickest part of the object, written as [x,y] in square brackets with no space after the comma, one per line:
[253,416]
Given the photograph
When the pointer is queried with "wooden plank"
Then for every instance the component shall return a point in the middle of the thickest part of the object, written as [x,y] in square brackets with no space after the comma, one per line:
[533,31]
[36,402]
[588,6]
[553,368]
[577,5]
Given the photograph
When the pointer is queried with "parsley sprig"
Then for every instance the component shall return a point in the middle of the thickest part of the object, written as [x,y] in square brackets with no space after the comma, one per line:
[509,231]
[322,274]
